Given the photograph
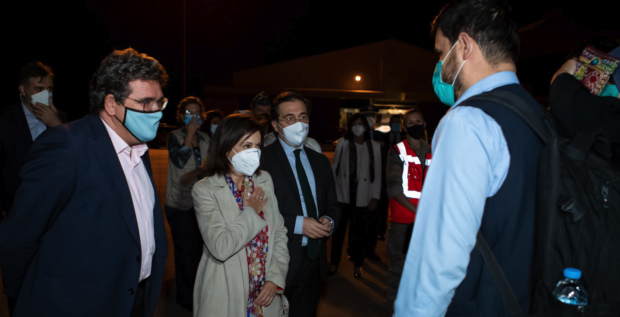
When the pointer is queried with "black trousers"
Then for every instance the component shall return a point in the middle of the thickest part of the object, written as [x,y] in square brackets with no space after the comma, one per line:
[362,233]
[139,304]
[187,242]
[304,290]
[384,206]
[339,234]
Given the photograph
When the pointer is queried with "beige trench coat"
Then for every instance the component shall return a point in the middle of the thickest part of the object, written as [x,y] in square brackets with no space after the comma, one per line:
[222,280]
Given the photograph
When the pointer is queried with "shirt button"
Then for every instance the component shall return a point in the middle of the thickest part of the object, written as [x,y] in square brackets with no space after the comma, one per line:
[131,291]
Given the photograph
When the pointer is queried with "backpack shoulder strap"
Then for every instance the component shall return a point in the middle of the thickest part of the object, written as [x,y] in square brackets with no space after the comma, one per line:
[499,277]
[516,104]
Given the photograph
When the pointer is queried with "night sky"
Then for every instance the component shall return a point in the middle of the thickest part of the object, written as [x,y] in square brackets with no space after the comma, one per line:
[224,36]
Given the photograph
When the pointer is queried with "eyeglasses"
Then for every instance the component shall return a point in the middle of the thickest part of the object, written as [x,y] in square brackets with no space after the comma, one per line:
[148,104]
[291,120]
[192,113]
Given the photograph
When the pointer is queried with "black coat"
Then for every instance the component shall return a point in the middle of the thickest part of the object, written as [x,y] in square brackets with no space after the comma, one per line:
[15,142]
[70,245]
[289,201]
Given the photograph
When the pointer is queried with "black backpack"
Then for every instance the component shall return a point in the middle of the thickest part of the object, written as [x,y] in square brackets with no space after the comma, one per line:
[577,219]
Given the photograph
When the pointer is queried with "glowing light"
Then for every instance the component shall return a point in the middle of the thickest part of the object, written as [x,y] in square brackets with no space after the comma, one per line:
[358,78]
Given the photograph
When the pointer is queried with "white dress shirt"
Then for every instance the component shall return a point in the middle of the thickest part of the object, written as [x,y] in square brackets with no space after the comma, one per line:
[142,195]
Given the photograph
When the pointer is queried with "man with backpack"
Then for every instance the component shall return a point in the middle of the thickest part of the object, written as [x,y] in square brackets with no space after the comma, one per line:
[484,173]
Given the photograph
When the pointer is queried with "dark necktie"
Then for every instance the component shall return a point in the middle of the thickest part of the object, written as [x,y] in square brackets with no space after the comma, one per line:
[313,244]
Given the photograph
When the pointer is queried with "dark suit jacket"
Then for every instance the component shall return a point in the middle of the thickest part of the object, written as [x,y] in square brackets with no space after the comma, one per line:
[15,142]
[289,201]
[70,246]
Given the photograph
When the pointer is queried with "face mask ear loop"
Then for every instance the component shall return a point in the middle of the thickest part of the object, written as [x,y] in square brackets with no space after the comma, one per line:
[458,72]
[444,59]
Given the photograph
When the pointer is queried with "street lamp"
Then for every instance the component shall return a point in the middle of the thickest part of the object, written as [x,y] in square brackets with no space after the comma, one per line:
[358,78]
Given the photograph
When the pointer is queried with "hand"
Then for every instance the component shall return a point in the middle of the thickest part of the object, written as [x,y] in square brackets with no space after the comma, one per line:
[569,67]
[47,115]
[326,222]
[189,177]
[192,127]
[314,229]
[267,294]
[255,200]
[372,204]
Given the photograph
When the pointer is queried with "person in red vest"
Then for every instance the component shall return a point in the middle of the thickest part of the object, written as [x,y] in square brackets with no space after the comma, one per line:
[407,165]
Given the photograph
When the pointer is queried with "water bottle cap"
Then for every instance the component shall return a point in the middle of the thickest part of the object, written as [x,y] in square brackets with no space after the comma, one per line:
[572,273]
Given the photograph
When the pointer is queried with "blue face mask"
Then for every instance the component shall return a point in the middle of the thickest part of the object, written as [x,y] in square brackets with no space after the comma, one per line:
[141,124]
[445,91]
[213,128]
[610,91]
[395,127]
[188,118]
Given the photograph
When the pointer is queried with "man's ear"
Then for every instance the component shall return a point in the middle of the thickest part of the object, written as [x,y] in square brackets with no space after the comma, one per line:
[275,126]
[468,45]
[109,105]
[22,90]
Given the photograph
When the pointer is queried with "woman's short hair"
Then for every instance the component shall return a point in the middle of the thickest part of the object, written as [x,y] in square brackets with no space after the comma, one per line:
[349,134]
[232,129]
[187,101]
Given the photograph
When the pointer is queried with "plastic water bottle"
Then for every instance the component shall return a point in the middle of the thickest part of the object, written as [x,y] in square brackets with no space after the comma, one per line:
[569,291]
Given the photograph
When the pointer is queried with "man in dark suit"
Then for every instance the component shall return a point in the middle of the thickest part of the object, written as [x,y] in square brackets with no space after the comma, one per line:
[305,188]
[22,123]
[86,235]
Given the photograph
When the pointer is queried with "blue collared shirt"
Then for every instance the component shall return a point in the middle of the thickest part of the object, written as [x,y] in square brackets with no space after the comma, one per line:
[470,163]
[288,150]
[35,125]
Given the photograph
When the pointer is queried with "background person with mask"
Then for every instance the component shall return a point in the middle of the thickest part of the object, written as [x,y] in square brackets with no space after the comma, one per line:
[245,259]
[21,125]
[306,192]
[408,163]
[86,234]
[308,142]
[481,178]
[187,150]
[260,109]
[396,134]
[357,169]
[214,117]
[579,111]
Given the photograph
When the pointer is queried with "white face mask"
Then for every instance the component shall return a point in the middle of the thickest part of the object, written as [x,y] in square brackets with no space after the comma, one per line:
[213,128]
[246,162]
[42,97]
[358,130]
[296,134]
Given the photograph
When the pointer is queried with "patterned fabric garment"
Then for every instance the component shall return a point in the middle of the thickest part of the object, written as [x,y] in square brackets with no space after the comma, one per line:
[256,250]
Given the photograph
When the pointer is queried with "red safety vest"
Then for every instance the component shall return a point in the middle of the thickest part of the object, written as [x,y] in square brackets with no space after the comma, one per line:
[413,179]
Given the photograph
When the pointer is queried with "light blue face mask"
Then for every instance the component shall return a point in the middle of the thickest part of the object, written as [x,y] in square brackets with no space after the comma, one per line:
[395,127]
[610,91]
[188,118]
[142,124]
[445,91]
[213,128]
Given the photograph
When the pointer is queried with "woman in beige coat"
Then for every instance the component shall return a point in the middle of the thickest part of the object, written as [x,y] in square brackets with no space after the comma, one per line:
[245,256]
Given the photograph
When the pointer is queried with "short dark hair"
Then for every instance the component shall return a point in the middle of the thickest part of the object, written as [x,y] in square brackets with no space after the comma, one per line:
[117,70]
[210,116]
[228,133]
[262,99]
[413,110]
[488,22]
[395,116]
[184,103]
[349,134]
[34,70]
[287,96]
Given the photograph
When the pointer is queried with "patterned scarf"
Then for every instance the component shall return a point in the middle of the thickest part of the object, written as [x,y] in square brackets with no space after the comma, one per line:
[256,250]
